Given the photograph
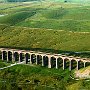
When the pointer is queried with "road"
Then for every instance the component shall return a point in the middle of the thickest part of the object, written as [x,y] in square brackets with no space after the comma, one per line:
[12,65]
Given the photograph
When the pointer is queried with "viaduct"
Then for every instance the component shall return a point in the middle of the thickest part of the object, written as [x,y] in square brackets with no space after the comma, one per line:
[44,59]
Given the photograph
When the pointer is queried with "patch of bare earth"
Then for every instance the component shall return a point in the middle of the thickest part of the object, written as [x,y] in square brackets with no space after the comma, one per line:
[83,74]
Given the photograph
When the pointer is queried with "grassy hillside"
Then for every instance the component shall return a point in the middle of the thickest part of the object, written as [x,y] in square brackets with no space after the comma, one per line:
[68,1]
[43,39]
[28,77]
[56,25]
[67,17]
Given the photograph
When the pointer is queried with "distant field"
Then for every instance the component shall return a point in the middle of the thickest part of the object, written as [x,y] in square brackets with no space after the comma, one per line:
[47,25]
[69,17]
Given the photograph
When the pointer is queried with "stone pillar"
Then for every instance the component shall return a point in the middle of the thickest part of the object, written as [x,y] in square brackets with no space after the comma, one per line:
[13,57]
[42,61]
[7,57]
[36,60]
[49,62]
[84,64]
[63,63]
[56,63]
[30,59]
[77,65]
[2,56]
[19,58]
[70,65]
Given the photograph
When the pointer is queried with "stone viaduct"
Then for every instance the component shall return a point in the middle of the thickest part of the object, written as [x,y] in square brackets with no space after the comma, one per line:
[44,59]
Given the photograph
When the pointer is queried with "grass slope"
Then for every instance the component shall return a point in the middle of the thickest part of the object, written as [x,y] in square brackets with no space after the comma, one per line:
[15,18]
[35,77]
[67,17]
[43,39]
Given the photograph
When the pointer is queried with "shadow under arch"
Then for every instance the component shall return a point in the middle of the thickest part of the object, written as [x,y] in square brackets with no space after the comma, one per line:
[53,62]
[4,55]
[16,56]
[66,63]
[9,56]
[80,64]
[27,58]
[45,60]
[60,62]
[0,54]
[33,58]
[73,64]
[39,59]
[87,64]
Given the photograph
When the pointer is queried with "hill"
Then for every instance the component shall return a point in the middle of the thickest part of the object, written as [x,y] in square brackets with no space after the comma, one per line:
[65,1]
[68,17]
[35,77]
[53,26]
[18,37]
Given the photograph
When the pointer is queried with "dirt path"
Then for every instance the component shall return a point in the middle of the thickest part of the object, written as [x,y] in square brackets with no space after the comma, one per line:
[83,74]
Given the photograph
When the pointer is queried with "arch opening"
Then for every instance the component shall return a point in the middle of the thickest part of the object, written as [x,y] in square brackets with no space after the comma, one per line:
[80,64]
[16,56]
[53,62]
[4,55]
[60,62]
[66,63]
[45,60]
[73,64]
[0,55]
[9,56]
[33,58]
[87,64]
[39,59]
[27,58]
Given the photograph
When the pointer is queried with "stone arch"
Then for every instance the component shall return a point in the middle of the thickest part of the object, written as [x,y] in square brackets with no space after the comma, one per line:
[53,62]
[27,57]
[33,58]
[60,62]
[87,64]
[73,64]
[4,55]
[45,60]
[39,59]
[16,56]
[80,64]
[0,54]
[66,63]
[21,56]
[9,57]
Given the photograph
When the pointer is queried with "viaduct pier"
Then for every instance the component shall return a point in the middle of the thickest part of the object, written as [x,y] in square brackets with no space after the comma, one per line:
[44,59]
